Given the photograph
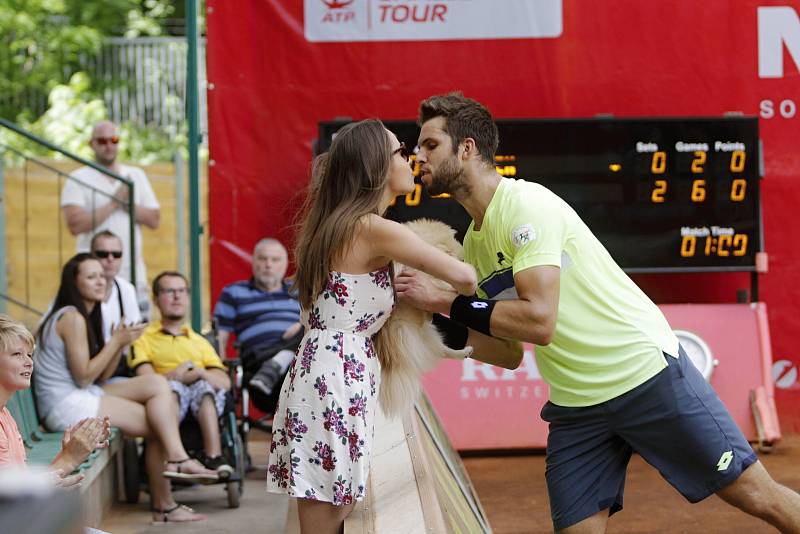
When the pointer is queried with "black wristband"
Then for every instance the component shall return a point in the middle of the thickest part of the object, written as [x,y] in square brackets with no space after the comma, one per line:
[473,312]
[454,334]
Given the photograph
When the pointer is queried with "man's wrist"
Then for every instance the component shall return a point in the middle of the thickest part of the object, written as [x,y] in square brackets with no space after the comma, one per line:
[443,302]
[473,312]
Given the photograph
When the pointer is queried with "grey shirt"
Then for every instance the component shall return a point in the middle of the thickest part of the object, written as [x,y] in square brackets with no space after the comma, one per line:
[53,380]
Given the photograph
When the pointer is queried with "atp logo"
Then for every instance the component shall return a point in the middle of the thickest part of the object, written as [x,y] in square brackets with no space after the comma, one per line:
[725,461]
[337,4]
[337,12]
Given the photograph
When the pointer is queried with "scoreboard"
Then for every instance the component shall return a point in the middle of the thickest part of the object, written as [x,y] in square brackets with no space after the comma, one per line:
[661,194]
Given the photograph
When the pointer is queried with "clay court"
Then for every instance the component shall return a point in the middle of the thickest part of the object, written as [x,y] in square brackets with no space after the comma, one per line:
[513,494]
[511,490]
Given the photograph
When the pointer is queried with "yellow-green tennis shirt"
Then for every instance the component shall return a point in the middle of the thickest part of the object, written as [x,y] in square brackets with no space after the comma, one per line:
[609,336]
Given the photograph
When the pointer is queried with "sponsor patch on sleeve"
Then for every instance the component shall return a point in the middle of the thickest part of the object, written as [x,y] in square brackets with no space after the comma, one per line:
[522,235]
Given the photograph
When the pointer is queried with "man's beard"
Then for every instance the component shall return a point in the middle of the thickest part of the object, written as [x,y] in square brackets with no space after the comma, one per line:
[449,178]
[174,317]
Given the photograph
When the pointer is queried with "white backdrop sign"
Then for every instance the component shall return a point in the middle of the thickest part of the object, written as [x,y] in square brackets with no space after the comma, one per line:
[429,20]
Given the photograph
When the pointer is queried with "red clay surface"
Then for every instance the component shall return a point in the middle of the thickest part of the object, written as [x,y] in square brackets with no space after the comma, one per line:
[513,494]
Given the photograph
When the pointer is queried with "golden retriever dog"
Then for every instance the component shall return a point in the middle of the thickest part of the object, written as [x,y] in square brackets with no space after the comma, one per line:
[408,344]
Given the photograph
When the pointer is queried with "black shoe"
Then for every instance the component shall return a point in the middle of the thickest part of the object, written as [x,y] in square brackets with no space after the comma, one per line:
[258,383]
[218,464]
[267,376]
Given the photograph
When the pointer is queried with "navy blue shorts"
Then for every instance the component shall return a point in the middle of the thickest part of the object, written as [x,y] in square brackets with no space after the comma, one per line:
[675,421]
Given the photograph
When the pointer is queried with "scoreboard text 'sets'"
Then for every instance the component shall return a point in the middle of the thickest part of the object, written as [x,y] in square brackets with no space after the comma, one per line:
[662,194]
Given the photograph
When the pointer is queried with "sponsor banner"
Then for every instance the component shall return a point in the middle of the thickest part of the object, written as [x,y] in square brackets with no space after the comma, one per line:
[485,407]
[425,20]
[784,373]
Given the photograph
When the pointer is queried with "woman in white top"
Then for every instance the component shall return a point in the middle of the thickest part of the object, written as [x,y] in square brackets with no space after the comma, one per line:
[72,363]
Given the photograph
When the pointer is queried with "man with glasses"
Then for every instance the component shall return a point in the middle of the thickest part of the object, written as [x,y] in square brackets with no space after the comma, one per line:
[194,369]
[120,302]
[92,201]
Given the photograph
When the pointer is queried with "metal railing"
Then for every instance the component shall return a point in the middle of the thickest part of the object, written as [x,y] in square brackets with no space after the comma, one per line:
[142,80]
[34,257]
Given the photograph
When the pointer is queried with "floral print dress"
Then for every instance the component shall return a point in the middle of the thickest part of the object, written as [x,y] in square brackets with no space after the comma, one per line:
[323,429]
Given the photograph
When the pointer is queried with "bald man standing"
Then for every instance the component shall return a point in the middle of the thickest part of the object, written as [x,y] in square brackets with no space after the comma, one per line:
[93,202]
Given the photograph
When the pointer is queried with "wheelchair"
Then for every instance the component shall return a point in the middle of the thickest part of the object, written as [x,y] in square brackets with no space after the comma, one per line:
[232,446]
[244,367]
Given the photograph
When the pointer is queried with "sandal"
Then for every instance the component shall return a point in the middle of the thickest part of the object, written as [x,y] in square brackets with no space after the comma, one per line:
[165,515]
[205,478]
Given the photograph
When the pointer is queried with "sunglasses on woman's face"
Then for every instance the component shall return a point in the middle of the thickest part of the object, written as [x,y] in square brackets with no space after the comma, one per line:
[103,254]
[403,151]
[103,141]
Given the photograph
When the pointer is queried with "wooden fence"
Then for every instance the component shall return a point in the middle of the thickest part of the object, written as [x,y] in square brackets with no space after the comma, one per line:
[38,242]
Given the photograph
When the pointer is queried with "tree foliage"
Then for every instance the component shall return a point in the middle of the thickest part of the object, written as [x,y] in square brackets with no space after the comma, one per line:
[68,122]
[45,44]
[42,42]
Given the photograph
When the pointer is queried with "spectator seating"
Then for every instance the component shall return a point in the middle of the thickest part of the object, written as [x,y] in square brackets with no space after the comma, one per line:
[100,469]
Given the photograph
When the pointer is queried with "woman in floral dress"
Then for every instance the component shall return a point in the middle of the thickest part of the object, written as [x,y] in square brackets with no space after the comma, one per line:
[323,429]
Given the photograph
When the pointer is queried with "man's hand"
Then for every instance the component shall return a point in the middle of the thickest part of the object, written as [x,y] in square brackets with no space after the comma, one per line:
[193,375]
[416,289]
[292,331]
[121,195]
[180,371]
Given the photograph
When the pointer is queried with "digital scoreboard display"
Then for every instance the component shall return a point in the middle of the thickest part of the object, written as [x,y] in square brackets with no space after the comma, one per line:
[662,194]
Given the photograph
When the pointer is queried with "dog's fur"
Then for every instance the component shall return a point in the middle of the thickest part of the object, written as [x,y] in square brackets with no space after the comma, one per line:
[408,344]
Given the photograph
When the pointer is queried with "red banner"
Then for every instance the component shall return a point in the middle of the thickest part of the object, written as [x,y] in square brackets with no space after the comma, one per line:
[278,68]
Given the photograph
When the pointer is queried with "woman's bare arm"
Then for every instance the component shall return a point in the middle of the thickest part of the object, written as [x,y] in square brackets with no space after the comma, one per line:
[71,328]
[395,241]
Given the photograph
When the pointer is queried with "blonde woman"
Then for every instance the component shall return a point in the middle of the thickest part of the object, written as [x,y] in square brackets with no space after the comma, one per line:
[16,369]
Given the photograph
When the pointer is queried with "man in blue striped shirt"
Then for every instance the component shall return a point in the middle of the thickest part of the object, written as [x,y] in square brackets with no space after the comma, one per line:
[261,312]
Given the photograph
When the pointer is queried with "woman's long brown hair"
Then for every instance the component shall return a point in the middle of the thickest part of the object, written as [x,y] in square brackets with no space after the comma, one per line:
[347,182]
[69,295]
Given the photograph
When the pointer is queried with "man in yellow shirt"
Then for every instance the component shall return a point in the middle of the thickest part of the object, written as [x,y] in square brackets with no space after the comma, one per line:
[619,381]
[194,369]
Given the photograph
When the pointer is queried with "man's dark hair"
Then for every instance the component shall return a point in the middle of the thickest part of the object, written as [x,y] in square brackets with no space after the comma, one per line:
[102,233]
[164,274]
[464,117]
